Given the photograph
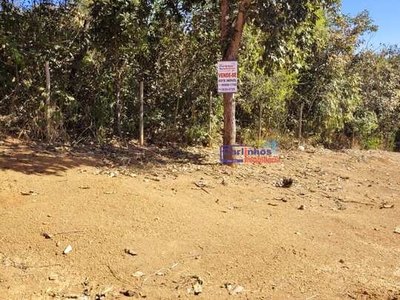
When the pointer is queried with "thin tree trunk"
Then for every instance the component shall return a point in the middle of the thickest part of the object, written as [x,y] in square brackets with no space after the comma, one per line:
[176,112]
[13,106]
[141,127]
[301,122]
[260,122]
[118,106]
[210,120]
[48,104]
[179,92]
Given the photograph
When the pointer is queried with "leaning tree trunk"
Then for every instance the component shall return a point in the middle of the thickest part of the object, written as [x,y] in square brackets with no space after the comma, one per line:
[230,43]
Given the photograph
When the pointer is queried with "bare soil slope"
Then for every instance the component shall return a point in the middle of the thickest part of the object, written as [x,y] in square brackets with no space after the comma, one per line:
[193,224]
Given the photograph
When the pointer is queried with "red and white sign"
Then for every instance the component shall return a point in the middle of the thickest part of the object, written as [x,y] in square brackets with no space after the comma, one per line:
[227,76]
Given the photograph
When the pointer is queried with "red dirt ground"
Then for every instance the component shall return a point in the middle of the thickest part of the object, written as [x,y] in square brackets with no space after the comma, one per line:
[186,216]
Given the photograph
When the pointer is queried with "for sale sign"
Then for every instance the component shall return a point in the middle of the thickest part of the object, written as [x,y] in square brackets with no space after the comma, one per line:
[227,76]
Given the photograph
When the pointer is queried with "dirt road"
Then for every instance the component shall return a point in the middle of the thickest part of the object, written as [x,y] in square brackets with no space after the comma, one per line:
[177,224]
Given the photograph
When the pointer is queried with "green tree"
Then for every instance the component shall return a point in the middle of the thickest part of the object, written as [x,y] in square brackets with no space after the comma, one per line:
[116,31]
[328,84]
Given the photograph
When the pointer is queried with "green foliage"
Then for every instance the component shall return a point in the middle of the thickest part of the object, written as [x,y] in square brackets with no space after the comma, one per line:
[371,143]
[197,135]
[330,84]
[263,92]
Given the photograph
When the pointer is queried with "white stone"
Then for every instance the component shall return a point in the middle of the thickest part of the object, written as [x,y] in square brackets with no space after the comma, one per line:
[67,250]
